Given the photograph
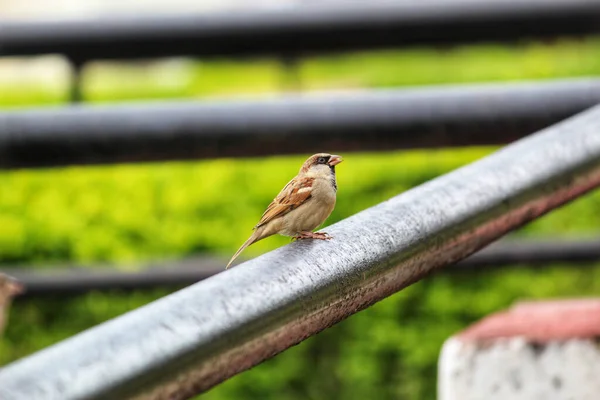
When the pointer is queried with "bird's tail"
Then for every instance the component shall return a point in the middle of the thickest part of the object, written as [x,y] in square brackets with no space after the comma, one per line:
[254,238]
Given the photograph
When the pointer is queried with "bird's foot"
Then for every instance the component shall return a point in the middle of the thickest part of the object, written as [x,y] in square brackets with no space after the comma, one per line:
[313,235]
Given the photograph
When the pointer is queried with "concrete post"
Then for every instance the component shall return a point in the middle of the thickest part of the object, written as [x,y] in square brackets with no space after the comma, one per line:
[534,351]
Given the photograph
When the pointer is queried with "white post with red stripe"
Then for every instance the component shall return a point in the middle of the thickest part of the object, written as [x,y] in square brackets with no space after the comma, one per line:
[533,351]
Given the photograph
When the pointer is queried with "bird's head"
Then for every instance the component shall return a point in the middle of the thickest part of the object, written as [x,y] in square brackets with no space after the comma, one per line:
[320,163]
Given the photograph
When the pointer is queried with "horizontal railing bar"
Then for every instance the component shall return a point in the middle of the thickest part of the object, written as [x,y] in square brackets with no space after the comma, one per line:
[305,29]
[532,252]
[77,279]
[58,281]
[349,121]
[191,340]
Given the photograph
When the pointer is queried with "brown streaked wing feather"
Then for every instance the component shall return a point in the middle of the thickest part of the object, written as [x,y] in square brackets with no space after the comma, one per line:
[291,197]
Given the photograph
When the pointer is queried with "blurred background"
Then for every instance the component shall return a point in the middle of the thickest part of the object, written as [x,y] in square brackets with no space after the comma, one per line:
[125,215]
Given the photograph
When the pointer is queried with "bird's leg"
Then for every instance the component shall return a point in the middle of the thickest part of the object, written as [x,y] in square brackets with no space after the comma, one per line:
[312,235]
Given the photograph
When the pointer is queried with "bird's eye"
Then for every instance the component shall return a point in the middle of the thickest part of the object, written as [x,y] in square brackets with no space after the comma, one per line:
[321,160]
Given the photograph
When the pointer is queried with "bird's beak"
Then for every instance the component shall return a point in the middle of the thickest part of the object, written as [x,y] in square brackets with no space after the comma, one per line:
[335,160]
[16,288]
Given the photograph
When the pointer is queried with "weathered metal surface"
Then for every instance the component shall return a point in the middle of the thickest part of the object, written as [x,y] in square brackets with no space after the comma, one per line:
[349,121]
[193,339]
[307,29]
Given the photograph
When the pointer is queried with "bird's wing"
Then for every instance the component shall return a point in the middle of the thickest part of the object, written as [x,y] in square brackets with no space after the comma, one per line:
[292,196]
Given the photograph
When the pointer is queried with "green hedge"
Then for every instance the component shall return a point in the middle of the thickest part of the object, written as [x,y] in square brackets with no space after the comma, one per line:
[131,213]
[134,212]
[111,81]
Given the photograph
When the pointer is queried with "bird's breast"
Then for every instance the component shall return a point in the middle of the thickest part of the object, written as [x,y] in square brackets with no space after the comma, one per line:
[314,211]
[324,191]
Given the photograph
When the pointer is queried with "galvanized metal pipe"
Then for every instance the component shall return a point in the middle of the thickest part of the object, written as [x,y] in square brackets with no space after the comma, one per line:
[191,340]
[354,120]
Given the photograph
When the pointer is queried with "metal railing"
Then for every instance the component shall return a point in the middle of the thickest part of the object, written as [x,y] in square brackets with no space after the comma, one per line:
[363,120]
[305,29]
[189,341]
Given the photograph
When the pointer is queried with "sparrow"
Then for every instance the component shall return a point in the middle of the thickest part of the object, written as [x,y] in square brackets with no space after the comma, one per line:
[302,205]
[9,288]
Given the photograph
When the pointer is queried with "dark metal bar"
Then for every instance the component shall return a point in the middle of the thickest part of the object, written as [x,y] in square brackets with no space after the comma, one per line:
[351,121]
[304,29]
[76,90]
[72,280]
[191,340]
[78,279]
[538,253]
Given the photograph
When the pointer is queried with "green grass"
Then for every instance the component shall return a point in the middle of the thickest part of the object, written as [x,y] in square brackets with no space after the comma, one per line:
[130,213]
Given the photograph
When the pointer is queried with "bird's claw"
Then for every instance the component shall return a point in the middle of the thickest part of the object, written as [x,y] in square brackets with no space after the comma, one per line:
[312,235]
[322,236]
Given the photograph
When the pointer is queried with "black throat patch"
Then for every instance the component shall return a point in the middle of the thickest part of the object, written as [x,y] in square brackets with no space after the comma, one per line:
[333,181]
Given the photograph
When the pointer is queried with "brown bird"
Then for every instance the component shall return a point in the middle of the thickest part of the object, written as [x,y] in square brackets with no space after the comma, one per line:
[302,205]
[9,288]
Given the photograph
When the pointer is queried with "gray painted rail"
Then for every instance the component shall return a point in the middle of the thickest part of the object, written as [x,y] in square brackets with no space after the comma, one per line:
[351,121]
[193,339]
[306,29]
